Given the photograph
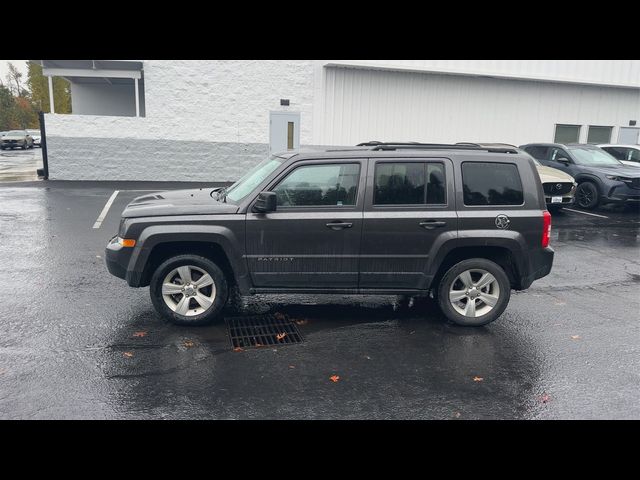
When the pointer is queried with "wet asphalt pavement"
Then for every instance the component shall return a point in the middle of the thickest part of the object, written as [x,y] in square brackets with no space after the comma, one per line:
[76,342]
[20,165]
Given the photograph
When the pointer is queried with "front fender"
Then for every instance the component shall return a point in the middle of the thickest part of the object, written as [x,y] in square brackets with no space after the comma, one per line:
[153,236]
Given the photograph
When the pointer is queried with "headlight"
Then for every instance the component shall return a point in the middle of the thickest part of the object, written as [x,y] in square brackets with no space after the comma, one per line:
[619,179]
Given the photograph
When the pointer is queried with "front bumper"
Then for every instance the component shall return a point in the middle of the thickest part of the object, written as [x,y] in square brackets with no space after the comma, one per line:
[117,258]
[622,193]
[567,201]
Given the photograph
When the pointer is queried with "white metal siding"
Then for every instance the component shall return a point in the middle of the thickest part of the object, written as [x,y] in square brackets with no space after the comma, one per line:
[624,73]
[360,105]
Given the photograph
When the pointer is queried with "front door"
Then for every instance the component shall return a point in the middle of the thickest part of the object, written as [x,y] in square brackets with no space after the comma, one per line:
[284,131]
[312,240]
[409,205]
[628,135]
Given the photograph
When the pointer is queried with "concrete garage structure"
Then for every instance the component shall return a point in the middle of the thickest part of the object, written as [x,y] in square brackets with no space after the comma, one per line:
[212,120]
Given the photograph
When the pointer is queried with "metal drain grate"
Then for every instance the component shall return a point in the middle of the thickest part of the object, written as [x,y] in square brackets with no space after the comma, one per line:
[262,331]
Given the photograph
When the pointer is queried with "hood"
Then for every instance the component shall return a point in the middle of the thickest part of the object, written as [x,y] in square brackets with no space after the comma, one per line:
[13,137]
[196,201]
[631,163]
[622,170]
[548,175]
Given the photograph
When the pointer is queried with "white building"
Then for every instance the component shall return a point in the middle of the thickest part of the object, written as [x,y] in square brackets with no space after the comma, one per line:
[211,120]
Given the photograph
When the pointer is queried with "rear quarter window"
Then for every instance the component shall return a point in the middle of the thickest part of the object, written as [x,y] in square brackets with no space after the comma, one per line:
[487,183]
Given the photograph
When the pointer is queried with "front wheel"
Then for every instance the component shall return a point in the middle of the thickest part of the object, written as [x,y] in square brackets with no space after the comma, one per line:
[587,195]
[474,292]
[24,146]
[189,290]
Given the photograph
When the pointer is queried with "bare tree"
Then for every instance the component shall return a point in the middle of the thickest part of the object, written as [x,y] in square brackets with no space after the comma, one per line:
[13,78]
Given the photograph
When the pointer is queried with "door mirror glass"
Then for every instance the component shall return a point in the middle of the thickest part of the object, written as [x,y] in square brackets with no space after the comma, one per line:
[563,160]
[265,203]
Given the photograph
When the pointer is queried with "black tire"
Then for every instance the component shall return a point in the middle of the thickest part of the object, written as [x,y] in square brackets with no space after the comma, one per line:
[452,274]
[24,146]
[219,279]
[587,195]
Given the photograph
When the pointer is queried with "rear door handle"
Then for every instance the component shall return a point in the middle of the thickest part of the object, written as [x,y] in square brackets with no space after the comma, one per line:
[339,225]
[431,224]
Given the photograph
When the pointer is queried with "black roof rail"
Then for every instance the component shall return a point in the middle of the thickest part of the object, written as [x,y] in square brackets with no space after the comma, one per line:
[434,146]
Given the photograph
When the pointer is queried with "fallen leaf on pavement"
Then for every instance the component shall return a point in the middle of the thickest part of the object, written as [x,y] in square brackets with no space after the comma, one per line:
[334,378]
[139,334]
[292,366]
[575,337]
[457,414]
[188,343]
[280,336]
[258,344]
[478,379]
[128,354]
[238,349]
[545,398]
[302,321]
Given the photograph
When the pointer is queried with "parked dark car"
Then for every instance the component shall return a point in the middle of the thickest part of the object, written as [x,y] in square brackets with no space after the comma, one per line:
[16,139]
[601,178]
[461,223]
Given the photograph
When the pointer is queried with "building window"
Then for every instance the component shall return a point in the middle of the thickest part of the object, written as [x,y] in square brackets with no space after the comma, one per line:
[567,134]
[599,134]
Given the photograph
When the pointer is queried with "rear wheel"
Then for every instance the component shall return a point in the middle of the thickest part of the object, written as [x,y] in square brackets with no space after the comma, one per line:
[587,195]
[189,290]
[474,292]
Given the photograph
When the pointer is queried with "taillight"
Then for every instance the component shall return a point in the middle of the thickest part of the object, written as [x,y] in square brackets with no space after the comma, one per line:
[546,228]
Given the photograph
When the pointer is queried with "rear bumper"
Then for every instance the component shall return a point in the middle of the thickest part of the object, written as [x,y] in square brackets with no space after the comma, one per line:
[540,263]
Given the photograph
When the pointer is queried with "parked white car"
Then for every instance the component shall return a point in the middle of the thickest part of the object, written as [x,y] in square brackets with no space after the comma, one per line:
[627,154]
[35,134]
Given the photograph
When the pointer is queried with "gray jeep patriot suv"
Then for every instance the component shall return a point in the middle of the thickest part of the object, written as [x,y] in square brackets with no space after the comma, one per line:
[463,224]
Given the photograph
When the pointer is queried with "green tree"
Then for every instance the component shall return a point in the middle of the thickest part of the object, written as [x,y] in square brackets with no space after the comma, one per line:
[38,85]
[7,103]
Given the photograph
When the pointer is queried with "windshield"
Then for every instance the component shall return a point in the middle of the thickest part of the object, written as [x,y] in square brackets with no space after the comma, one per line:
[592,156]
[253,178]
[33,132]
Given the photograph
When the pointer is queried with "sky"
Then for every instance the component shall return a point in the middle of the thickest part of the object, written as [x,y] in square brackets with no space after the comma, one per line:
[4,68]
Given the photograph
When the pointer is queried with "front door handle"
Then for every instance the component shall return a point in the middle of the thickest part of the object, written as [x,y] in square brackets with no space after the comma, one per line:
[339,225]
[431,224]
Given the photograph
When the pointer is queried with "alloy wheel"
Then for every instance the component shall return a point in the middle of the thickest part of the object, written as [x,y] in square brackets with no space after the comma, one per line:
[474,293]
[188,290]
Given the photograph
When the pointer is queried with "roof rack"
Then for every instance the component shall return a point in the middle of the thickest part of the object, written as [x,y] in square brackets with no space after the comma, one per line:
[375,145]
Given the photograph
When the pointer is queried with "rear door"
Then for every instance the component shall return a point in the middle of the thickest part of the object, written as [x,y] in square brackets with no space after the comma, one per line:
[409,204]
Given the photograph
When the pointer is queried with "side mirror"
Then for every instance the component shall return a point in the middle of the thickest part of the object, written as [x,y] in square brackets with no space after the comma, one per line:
[563,160]
[266,202]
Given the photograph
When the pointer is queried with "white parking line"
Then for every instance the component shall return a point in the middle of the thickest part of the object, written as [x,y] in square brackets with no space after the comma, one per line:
[105,210]
[585,213]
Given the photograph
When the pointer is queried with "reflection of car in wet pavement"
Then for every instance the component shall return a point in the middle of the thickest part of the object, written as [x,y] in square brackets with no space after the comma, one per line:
[330,222]
[601,178]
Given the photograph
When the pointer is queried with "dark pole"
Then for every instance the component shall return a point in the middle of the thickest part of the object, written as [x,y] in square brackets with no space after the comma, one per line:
[43,146]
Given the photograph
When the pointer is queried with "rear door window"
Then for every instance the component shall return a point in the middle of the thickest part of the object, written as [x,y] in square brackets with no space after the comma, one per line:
[409,183]
[486,183]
